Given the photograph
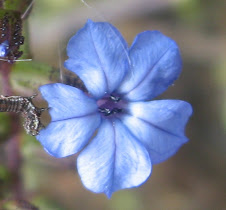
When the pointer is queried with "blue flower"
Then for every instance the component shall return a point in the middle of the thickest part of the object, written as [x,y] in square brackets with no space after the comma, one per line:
[128,133]
[4,46]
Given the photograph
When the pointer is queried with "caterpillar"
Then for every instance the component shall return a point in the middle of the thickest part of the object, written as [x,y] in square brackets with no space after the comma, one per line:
[28,110]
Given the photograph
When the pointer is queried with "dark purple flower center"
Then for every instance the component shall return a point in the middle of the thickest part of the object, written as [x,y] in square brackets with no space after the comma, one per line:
[111,105]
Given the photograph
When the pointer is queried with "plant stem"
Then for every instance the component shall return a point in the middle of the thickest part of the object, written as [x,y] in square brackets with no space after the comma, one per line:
[13,143]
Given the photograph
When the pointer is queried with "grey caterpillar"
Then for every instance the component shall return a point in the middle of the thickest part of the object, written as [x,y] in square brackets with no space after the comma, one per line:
[26,108]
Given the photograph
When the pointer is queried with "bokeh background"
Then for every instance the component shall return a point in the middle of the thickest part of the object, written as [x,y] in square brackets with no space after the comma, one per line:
[192,179]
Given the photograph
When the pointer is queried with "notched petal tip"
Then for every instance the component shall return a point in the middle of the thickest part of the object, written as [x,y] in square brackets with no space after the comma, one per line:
[98,54]
[67,137]
[156,64]
[66,102]
[114,160]
[74,119]
[159,125]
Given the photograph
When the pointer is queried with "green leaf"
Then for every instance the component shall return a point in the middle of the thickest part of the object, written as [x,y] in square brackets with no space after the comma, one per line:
[26,77]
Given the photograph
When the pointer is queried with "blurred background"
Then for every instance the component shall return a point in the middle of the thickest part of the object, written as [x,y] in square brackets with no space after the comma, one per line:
[194,178]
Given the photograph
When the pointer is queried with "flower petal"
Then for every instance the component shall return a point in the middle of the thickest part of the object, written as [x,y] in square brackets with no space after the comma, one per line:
[98,54]
[66,102]
[159,125]
[67,137]
[114,160]
[74,120]
[156,63]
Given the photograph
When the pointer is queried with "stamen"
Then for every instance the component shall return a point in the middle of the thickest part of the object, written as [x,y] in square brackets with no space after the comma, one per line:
[108,112]
[115,98]
[105,111]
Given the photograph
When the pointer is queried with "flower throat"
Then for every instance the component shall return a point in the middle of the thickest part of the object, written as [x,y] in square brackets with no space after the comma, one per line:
[110,105]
